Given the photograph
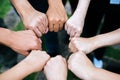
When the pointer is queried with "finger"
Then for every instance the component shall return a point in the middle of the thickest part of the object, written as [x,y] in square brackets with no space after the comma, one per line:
[36,46]
[66,18]
[72,33]
[46,27]
[66,26]
[40,28]
[31,32]
[39,45]
[70,44]
[38,33]
[64,60]
[77,34]
[72,47]
[46,30]
[46,23]
[26,53]
[56,27]
[69,30]
[60,26]
[40,40]
[51,27]
[70,58]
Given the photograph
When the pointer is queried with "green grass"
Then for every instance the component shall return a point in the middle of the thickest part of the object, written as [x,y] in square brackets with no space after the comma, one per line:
[5,6]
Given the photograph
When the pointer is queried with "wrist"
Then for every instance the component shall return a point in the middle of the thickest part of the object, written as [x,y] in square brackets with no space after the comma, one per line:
[23,7]
[79,16]
[21,70]
[98,42]
[11,39]
[54,3]
[95,43]
[5,36]
[27,66]
[91,76]
[58,78]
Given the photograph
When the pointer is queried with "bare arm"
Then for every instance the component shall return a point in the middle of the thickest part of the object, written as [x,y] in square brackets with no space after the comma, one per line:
[56,66]
[23,7]
[101,74]
[82,67]
[87,45]
[27,66]
[57,15]
[18,72]
[4,33]
[82,9]
[74,25]
[32,19]
[107,39]
[20,41]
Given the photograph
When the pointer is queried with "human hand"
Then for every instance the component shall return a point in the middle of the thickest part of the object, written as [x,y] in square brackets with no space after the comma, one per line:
[85,45]
[57,15]
[56,69]
[74,26]
[37,22]
[80,65]
[24,41]
[36,60]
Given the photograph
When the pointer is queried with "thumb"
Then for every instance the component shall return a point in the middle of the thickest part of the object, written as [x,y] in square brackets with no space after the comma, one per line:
[26,53]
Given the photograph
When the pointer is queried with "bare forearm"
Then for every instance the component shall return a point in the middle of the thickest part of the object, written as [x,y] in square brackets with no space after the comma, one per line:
[54,3]
[101,74]
[23,7]
[18,72]
[5,36]
[107,39]
[82,9]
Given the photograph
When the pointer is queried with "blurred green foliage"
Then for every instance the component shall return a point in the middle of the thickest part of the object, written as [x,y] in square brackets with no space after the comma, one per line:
[113,53]
[19,27]
[31,77]
[5,6]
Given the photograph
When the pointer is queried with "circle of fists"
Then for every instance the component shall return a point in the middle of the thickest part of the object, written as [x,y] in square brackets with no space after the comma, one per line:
[55,68]
[54,20]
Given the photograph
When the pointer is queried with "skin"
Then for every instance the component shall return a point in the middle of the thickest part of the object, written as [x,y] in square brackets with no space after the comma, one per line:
[87,45]
[82,67]
[75,23]
[32,19]
[56,65]
[37,21]
[26,66]
[57,15]
[20,41]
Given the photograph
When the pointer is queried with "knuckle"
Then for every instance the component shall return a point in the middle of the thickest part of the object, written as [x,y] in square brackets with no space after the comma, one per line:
[57,20]
[35,45]
[44,52]
[70,65]
[72,40]
[59,57]
[50,19]
[62,20]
